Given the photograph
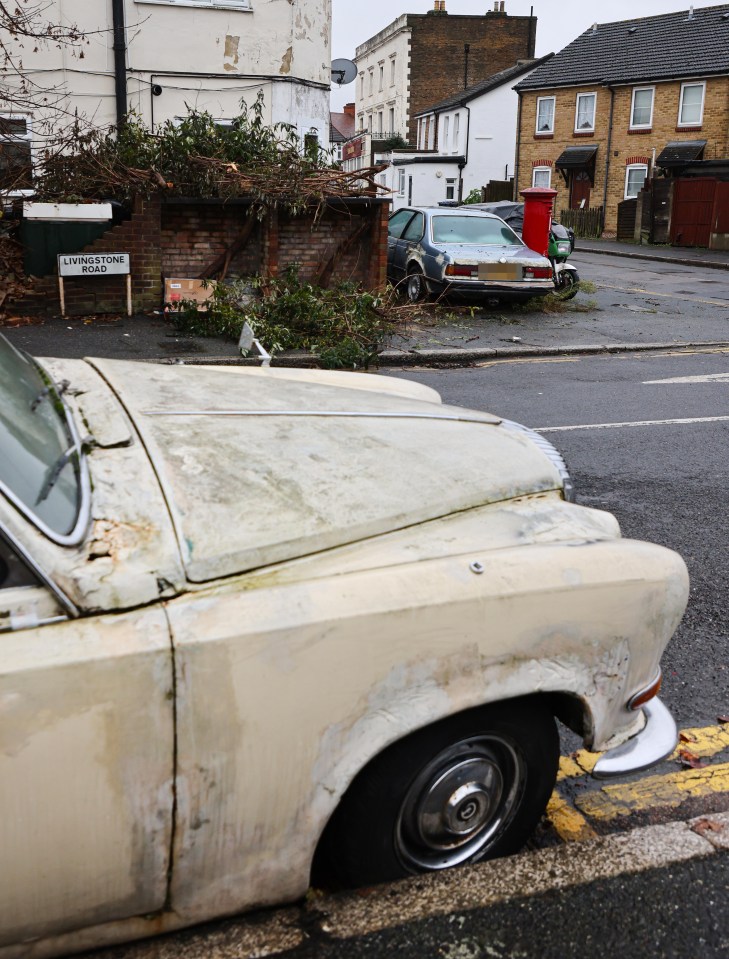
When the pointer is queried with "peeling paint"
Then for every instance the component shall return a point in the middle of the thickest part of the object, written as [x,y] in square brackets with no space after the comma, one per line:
[286,61]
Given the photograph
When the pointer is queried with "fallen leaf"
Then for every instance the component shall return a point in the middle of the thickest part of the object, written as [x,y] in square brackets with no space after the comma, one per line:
[690,760]
[687,738]
[723,719]
[707,825]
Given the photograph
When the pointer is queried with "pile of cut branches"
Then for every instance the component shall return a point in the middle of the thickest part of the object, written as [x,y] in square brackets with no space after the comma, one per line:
[198,157]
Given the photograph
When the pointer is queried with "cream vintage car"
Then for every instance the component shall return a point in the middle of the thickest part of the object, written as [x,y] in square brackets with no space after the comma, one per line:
[262,624]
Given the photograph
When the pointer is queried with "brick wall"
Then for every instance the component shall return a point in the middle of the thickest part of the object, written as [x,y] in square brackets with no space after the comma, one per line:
[437,56]
[193,235]
[299,240]
[182,239]
[626,147]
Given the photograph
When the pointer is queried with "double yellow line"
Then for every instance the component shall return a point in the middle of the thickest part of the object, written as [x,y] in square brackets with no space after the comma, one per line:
[573,822]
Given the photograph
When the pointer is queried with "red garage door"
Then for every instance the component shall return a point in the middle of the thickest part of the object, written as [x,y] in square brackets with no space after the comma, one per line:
[693,204]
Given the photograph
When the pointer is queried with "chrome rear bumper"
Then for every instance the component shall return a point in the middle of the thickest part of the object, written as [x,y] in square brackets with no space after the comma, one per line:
[656,740]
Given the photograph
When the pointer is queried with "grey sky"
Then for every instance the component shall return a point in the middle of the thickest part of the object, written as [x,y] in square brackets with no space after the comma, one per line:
[559,21]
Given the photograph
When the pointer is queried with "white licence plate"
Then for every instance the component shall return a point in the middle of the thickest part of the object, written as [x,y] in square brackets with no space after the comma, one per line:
[499,271]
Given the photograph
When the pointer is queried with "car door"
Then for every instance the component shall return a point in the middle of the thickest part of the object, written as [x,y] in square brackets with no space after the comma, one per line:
[410,245]
[396,245]
[86,760]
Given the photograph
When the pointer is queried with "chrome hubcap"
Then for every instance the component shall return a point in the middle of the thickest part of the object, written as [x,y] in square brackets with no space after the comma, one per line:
[414,287]
[459,804]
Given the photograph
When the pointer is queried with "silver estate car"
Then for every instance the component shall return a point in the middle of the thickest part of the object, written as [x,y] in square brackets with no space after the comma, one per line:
[436,250]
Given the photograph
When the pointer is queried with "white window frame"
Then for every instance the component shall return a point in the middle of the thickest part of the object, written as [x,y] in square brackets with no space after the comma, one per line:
[392,70]
[634,166]
[692,123]
[20,138]
[456,131]
[381,76]
[542,169]
[391,120]
[451,186]
[584,96]
[642,126]
[444,144]
[242,5]
[541,100]
[372,80]
[380,121]
[401,181]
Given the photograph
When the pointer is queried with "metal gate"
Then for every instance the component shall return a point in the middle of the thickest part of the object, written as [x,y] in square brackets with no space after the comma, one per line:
[691,213]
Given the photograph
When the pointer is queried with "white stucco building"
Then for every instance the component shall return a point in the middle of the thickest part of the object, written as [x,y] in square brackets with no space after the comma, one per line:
[462,143]
[156,57]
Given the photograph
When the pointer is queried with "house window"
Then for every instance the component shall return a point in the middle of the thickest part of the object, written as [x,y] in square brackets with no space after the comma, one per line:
[545,115]
[16,160]
[382,77]
[542,176]
[392,72]
[691,107]
[379,123]
[361,84]
[456,131]
[369,123]
[635,177]
[391,115]
[450,189]
[372,79]
[641,113]
[401,182]
[585,113]
[444,145]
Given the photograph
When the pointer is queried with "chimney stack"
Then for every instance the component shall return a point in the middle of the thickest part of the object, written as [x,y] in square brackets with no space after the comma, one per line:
[501,6]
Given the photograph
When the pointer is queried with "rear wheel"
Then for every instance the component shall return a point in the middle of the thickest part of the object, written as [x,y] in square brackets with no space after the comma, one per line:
[415,288]
[567,281]
[468,789]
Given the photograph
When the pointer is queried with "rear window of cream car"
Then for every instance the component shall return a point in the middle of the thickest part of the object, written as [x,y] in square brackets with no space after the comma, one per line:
[477,230]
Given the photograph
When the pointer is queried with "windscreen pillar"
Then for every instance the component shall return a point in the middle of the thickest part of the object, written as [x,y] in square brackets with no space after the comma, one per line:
[538,203]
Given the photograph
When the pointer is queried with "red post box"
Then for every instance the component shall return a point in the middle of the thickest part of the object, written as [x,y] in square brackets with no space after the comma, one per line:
[538,203]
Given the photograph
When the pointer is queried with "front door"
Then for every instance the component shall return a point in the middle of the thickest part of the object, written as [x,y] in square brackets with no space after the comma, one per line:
[580,190]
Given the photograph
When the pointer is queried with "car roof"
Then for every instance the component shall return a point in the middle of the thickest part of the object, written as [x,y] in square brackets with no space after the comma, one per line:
[447,211]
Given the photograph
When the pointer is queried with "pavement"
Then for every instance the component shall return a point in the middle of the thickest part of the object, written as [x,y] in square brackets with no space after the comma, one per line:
[479,911]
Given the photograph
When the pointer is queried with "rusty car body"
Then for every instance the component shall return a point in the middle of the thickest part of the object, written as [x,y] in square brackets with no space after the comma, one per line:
[228,595]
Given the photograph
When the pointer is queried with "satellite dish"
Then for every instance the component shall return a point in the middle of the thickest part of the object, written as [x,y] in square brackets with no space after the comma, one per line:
[343,71]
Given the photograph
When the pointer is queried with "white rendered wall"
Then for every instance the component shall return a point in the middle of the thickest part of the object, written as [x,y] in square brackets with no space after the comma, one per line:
[207,57]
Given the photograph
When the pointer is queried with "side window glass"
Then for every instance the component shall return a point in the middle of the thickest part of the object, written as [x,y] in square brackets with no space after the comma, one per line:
[13,571]
[414,230]
[397,223]
[25,602]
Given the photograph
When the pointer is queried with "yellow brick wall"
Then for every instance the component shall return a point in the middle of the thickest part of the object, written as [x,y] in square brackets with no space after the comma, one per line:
[624,146]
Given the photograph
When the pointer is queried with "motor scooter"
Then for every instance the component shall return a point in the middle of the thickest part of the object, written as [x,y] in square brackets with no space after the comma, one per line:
[561,244]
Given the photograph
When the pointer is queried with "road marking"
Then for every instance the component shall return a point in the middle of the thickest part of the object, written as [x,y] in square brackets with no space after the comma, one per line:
[567,822]
[706,378]
[669,790]
[615,426]
[665,296]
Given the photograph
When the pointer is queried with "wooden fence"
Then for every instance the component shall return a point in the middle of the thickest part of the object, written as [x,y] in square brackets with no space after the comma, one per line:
[584,222]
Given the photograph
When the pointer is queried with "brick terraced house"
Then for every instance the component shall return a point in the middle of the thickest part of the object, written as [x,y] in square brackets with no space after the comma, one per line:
[626,102]
[420,59]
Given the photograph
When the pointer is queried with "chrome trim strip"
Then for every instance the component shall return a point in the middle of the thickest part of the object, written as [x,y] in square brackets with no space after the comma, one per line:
[326,413]
[67,604]
[655,741]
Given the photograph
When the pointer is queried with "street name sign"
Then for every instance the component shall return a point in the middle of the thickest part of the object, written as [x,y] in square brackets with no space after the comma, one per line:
[93,264]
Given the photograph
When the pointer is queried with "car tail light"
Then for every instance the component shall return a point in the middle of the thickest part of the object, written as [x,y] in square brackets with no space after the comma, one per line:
[641,698]
[537,272]
[455,269]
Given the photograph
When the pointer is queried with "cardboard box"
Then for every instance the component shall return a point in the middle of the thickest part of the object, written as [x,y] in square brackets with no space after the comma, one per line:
[178,289]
